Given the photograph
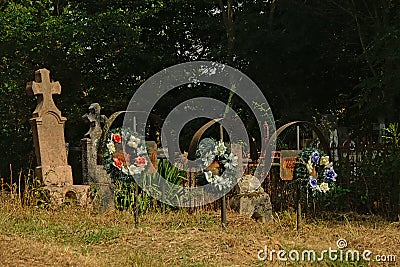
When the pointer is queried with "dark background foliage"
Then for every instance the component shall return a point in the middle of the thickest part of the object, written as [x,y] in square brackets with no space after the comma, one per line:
[308,57]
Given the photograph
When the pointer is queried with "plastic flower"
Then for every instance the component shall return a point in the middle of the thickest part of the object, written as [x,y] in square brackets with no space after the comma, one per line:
[220,182]
[330,174]
[133,142]
[111,147]
[310,166]
[116,137]
[324,160]
[315,157]
[231,161]
[214,155]
[208,158]
[123,157]
[140,161]
[324,187]
[209,176]
[141,150]
[206,144]
[329,166]
[125,170]
[118,163]
[220,148]
[134,170]
[313,182]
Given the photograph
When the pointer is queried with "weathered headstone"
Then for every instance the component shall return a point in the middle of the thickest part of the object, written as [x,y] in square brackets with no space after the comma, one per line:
[250,199]
[48,132]
[94,174]
[48,135]
[89,143]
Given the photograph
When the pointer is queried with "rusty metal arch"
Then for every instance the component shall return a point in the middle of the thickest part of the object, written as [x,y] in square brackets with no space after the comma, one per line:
[106,129]
[315,128]
[196,138]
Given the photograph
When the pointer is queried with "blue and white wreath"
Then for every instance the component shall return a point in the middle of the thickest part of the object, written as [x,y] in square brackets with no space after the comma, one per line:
[315,168]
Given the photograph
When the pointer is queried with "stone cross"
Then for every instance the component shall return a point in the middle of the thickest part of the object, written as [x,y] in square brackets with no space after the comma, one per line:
[44,89]
[48,132]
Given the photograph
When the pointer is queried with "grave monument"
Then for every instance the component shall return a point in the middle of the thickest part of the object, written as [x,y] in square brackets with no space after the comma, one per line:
[93,173]
[48,135]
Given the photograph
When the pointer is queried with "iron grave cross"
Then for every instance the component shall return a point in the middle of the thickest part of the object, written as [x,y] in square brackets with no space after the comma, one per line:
[44,89]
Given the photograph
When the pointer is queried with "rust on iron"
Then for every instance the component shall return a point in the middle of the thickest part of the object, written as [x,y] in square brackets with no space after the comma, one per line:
[197,136]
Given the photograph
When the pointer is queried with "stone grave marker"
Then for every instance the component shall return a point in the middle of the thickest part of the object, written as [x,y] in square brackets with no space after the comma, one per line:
[249,198]
[94,174]
[48,135]
[48,132]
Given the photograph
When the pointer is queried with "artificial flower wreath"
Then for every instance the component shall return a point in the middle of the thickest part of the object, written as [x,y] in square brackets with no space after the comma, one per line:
[126,155]
[218,159]
[314,167]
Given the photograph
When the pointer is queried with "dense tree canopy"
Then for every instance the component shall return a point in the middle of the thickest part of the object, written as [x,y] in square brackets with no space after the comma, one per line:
[308,57]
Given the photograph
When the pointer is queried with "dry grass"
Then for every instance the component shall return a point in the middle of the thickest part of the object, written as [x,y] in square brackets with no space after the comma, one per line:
[71,236]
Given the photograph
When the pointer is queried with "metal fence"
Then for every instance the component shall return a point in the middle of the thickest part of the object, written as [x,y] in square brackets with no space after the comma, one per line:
[368,179]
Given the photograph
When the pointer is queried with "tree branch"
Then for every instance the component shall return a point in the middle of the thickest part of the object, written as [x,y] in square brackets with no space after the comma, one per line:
[271,15]
[224,15]
[362,42]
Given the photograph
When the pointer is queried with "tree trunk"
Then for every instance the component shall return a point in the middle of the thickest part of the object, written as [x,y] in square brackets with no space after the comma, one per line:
[227,16]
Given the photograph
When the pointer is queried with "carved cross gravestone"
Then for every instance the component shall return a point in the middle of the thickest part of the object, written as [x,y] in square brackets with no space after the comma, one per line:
[48,136]
[48,132]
